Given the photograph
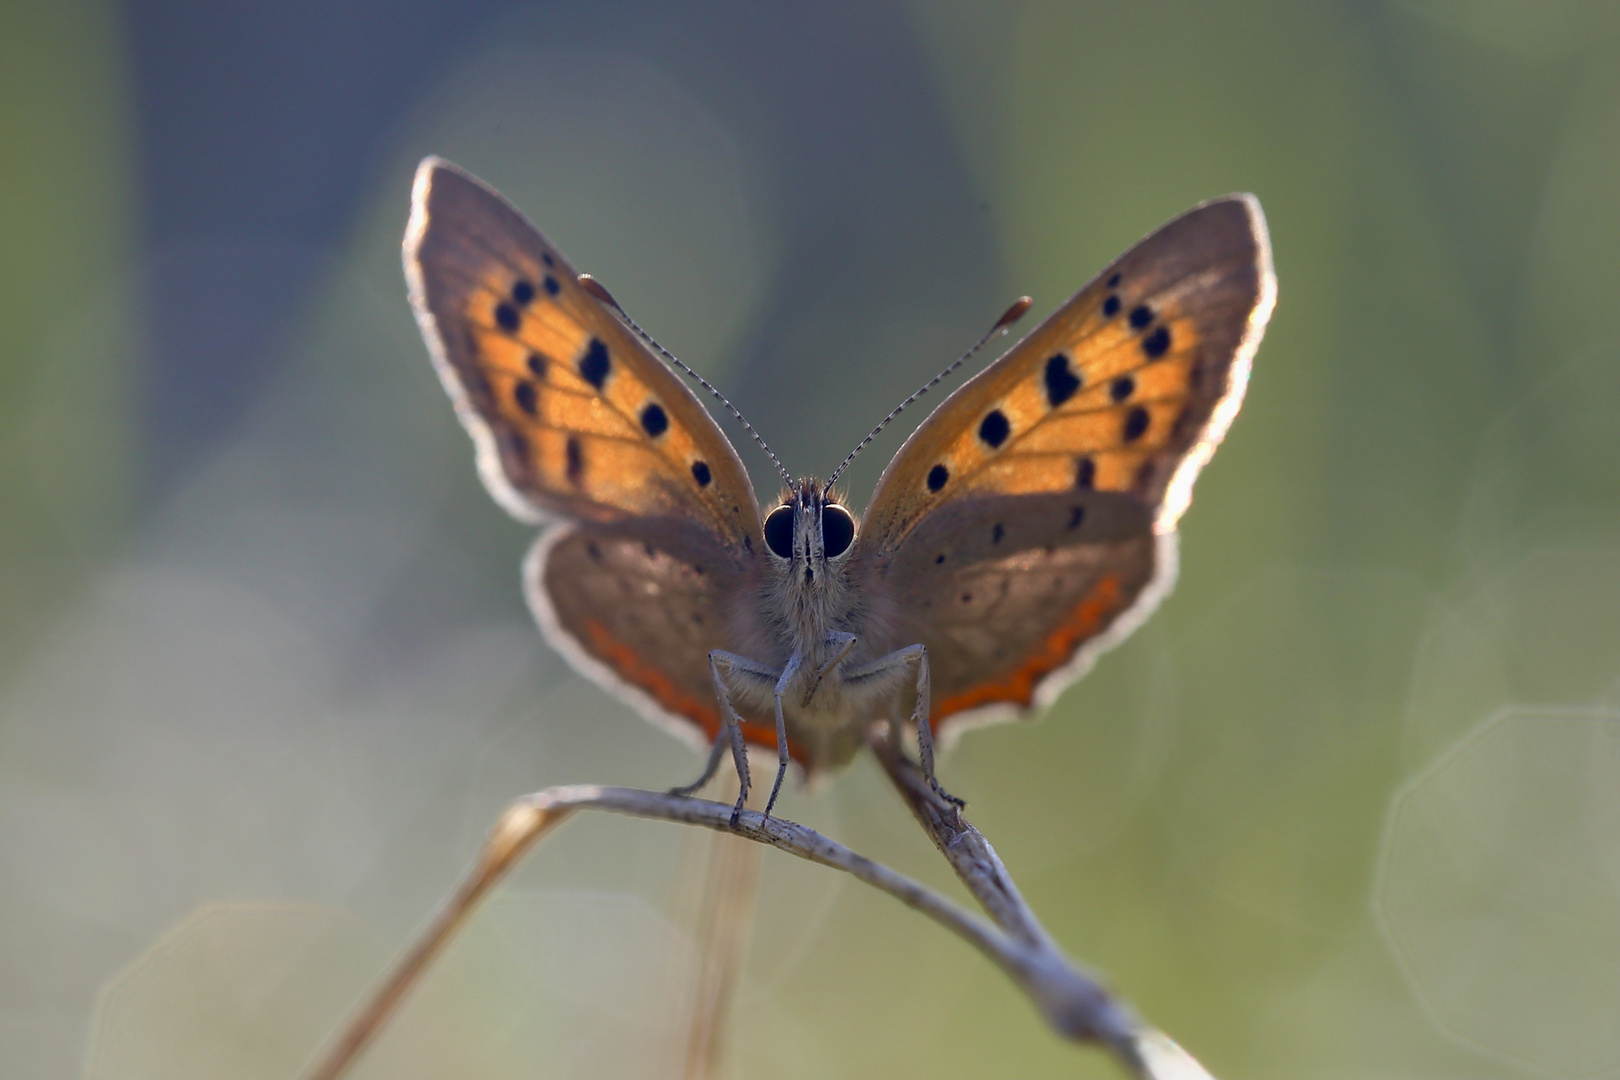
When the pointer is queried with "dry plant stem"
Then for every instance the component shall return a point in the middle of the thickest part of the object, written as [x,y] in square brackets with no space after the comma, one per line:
[1073,1004]
[524,822]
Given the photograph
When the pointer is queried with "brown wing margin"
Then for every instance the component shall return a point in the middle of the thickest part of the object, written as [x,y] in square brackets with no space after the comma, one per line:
[1178,489]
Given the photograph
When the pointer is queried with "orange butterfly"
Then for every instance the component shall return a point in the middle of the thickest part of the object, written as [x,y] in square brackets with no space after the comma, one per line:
[1026,526]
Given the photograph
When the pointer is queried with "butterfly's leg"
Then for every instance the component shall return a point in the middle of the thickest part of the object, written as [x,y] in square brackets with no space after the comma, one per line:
[721,665]
[841,642]
[739,755]
[722,739]
[884,671]
[790,669]
[925,732]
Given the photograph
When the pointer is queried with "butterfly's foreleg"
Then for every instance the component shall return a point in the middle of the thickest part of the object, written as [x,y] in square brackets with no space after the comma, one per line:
[722,665]
[840,643]
[790,669]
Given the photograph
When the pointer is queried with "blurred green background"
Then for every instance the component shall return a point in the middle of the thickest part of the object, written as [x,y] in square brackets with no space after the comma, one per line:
[1348,805]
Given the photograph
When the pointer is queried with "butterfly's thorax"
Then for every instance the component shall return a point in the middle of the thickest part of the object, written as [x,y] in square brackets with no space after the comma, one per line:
[808,605]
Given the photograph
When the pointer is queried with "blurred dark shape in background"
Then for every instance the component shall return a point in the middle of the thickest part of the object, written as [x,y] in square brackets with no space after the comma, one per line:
[262,126]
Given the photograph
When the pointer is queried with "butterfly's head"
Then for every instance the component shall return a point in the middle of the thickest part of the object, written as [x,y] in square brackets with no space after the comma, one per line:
[809,533]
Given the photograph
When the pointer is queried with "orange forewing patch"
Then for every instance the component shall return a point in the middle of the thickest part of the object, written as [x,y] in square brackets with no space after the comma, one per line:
[1169,329]
[574,415]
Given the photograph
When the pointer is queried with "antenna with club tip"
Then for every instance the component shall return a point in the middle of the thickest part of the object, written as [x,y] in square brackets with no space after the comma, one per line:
[1008,317]
[599,291]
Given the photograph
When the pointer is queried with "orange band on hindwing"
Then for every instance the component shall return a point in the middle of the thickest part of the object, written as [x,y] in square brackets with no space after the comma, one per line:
[1086,621]
[629,666]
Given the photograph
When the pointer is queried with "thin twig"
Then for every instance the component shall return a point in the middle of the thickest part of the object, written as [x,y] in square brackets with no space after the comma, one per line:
[522,823]
[1075,1006]
[1084,1010]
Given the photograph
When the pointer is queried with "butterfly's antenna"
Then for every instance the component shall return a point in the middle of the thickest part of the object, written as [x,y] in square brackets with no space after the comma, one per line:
[1008,317]
[598,290]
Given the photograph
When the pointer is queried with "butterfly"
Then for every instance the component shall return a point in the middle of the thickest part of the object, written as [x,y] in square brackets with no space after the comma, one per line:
[1027,525]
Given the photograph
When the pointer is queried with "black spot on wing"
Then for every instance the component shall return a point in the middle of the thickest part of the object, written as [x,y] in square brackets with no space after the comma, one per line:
[594,366]
[551,286]
[1061,381]
[1113,281]
[522,293]
[1085,474]
[1141,315]
[1111,305]
[1077,514]
[998,533]
[524,394]
[549,260]
[1136,422]
[937,477]
[700,473]
[994,429]
[506,317]
[1122,388]
[537,365]
[653,420]
[576,461]
[1157,343]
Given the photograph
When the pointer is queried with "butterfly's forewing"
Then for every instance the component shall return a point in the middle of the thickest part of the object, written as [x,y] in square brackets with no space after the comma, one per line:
[1030,520]
[578,423]
[573,416]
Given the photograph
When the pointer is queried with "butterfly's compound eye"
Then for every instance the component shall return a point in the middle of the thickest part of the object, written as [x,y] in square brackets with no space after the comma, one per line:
[837,530]
[779,531]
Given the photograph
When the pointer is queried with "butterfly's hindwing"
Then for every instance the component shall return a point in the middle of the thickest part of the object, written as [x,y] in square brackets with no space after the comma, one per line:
[637,607]
[1004,589]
